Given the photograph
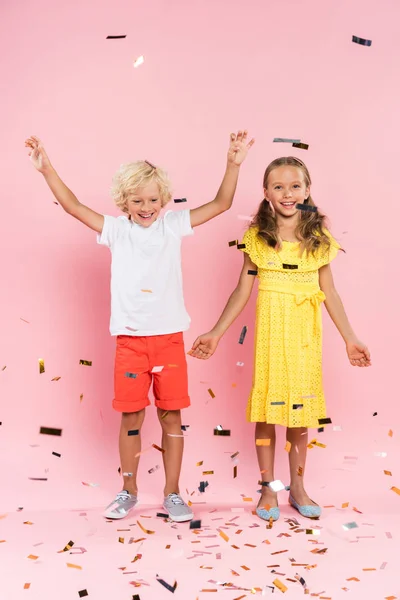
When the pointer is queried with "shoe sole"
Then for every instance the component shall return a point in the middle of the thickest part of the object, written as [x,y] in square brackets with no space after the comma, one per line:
[179,519]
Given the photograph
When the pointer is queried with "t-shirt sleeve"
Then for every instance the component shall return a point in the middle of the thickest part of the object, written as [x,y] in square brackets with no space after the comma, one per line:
[178,221]
[110,231]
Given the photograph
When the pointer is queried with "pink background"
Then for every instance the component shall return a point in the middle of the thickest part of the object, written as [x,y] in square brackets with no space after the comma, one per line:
[280,69]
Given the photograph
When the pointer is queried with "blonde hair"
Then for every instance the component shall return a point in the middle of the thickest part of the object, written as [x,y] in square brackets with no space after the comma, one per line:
[133,176]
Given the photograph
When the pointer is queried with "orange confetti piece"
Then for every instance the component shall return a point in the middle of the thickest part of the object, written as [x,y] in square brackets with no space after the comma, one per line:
[72,566]
[211,393]
[27,586]
[390,434]
[300,471]
[158,448]
[345,504]
[208,472]
[28,523]
[199,463]
[387,472]
[247,499]
[121,540]
[244,567]
[143,529]
[33,557]
[56,379]
[281,586]
[148,291]
[352,579]
[369,569]
[395,489]
[263,442]
[224,536]
[288,446]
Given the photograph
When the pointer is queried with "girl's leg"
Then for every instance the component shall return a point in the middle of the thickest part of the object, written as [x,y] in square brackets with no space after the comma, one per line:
[298,437]
[266,460]
[129,446]
[173,446]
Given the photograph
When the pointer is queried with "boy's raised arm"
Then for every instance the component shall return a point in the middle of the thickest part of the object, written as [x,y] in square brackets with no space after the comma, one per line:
[237,152]
[61,192]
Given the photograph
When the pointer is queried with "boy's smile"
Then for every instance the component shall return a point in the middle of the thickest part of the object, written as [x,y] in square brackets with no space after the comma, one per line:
[144,205]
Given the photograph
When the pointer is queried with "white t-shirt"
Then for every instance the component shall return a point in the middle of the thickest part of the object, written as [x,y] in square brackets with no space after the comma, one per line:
[146,274]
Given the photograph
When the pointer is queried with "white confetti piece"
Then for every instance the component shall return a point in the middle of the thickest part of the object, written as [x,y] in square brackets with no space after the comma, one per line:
[157,369]
[139,61]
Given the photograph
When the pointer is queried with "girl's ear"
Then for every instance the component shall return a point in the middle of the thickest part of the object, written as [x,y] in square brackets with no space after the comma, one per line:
[266,194]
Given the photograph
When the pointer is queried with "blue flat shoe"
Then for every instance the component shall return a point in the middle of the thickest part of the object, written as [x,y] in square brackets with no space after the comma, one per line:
[312,511]
[273,513]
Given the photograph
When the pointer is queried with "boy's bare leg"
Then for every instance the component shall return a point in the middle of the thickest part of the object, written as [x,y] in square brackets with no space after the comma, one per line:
[129,446]
[298,437]
[173,446]
[266,461]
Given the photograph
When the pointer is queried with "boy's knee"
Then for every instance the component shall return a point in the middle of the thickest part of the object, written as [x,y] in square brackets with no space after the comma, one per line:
[131,419]
[169,418]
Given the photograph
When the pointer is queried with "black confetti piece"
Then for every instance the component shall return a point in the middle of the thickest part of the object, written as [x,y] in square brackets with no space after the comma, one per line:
[170,588]
[38,478]
[325,421]
[135,597]
[233,243]
[202,486]
[307,207]
[185,427]
[83,593]
[250,272]
[195,524]
[361,41]
[300,145]
[162,515]
[241,246]
[131,375]
[290,267]
[297,406]
[56,454]
[180,200]
[243,335]
[115,37]
[222,432]
[375,414]
[133,432]
[321,429]
[87,363]
[50,431]
[277,403]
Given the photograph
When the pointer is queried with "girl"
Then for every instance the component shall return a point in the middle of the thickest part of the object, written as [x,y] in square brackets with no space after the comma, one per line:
[289,248]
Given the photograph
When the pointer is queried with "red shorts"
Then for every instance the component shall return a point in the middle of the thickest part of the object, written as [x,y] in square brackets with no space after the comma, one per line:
[135,359]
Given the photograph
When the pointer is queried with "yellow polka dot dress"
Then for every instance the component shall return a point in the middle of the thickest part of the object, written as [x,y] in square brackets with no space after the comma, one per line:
[287,379]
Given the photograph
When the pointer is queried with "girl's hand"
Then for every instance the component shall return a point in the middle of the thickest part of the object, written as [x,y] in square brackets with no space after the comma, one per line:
[358,354]
[238,148]
[205,345]
[37,154]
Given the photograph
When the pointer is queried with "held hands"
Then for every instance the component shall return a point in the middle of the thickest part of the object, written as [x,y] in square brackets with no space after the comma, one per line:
[37,154]
[205,345]
[358,353]
[238,148]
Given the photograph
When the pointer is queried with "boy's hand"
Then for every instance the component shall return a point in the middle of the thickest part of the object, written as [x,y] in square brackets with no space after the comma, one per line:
[37,154]
[205,345]
[238,148]
[358,354]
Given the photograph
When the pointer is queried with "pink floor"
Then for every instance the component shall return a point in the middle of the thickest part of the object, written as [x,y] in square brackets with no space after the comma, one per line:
[118,560]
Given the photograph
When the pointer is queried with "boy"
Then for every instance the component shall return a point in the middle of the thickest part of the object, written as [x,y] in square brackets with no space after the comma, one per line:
[148,314]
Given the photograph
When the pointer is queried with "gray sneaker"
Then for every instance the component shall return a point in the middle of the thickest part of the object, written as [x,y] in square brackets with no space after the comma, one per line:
[121,505]
[177,509]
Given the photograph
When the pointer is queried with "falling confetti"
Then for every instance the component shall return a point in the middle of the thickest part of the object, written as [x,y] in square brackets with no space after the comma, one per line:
[50,431]
[86,363]
[242,335]
[139,61]
[41,365]
[361,41]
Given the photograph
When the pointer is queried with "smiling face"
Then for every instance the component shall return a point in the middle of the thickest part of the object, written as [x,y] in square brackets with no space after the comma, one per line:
[144,205]
[286,187]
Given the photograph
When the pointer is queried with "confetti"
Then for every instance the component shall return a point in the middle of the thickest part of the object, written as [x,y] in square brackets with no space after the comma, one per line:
[263,442]
[300,471]
[387,472]
[300,145]
[83,593]
[281,586]
[287,140]
[195,524]
[277,403]
[235,472]
[240,364]
[147,291]
[395,489]
[241,246]
[306,207]
[41,365]
[288,446]
[157,369]
[163,515]
[143,529]
[224,536]
[72,566]
[224,432]
[133,432]
[32,557]
[297,406]
[211,393]
[115,37]
[208,472]
[361,41]
[169,587]
[326,421]
[277,485]
[242,335]
[121,540]
[139,61]
[27,586]
[67,547]
[86,363]
[56,379]
[38,478]
[251,272]
[153,469]
[158,448]
[202,486]
[131,375]
[180,200]
[233,243]
[50,431]
[199,463]
[351,525]
[390,433]
[176,435]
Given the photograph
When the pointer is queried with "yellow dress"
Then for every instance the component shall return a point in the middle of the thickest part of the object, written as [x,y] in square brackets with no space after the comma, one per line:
[287,379]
